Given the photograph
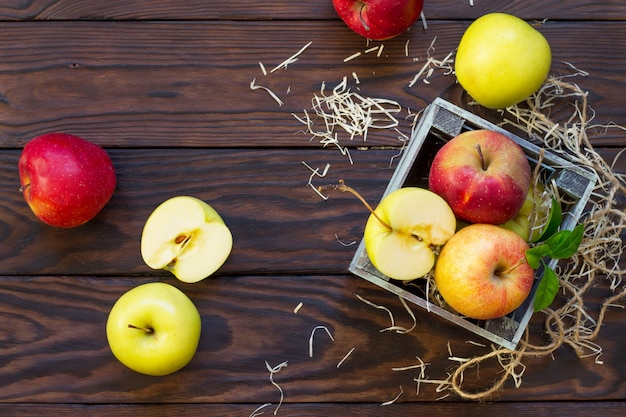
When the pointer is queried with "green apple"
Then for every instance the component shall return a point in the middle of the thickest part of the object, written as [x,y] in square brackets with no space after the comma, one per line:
[501,60]
[404,232]
[482,271]
[154,329]
[187,237]
[539,218]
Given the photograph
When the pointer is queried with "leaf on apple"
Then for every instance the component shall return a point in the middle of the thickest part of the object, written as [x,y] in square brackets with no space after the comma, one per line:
[552,224]
[561,245]
[547,289]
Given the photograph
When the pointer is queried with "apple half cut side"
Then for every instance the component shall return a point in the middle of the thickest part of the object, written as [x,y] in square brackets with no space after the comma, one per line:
[404,231]
[186,236]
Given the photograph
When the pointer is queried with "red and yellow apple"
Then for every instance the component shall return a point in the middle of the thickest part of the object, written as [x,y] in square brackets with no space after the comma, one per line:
[482,272]
[154,329]
[483,175]
[404,231]
[186,236]
[66,180]
[502,60]
[379,19]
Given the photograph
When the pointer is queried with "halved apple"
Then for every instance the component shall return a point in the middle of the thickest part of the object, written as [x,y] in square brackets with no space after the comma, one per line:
[405,230]
[186,236]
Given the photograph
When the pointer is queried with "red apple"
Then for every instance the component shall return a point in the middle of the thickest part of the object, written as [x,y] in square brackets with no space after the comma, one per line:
[482,271]
[483,175]
[65,179]
[379,19]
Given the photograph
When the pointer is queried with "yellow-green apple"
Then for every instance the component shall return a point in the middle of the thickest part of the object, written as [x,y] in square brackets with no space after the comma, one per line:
[483,175]
[539,217]
[501,60]
[154,329]
[187,237]
[66,180]
[379,19]
[482,271]
[404,231]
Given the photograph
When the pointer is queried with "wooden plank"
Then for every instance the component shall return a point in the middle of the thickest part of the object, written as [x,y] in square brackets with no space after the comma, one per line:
[284,9]
[432,409]
[278,222]
[186,84]
[54,348]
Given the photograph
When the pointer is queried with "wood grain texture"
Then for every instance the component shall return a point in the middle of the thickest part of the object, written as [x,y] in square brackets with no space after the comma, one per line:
[284,9]
[164,86]
[54,347]
[438,409]
[187,84]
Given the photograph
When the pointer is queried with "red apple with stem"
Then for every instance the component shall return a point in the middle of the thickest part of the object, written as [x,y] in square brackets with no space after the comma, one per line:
[483,175]
[379,19]
[66,180]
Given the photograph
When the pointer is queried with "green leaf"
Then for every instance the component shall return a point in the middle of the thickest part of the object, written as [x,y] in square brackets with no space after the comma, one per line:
[565,243]
[547,289]
[534,255]
[553,223]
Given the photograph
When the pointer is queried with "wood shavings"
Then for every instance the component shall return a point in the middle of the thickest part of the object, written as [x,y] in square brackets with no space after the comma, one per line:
[378,307]
[316,173]
[446,65]
[351,57]
[274,370]
[345,357]
[393,400]
[400,329]
[351,243]
[253,86]
[349,112]
[291,59]
[313,334]
[423,19]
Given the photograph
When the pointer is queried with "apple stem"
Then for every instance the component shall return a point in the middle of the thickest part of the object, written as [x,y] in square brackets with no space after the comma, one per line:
[512,267]
[365,25]
[344,188]
[483,163]
[145,329]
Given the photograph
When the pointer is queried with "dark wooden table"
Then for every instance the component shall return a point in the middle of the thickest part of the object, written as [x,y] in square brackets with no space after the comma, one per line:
[164,86]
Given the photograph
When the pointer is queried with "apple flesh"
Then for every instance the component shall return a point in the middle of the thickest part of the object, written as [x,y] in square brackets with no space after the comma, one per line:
[154,329]
[378,19]
[502,60]
[482,272]
[187,237]
[404,231]
[483,175]
[66,180]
